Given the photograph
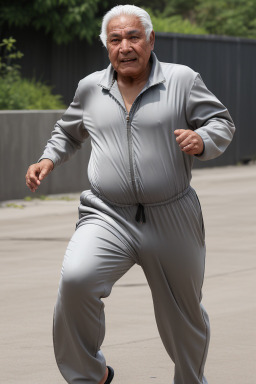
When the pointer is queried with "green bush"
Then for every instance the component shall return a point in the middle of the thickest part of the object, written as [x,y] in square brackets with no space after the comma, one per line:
[19,93]
[174,24]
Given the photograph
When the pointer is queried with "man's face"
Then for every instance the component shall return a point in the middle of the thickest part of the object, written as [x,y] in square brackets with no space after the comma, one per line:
[128,49]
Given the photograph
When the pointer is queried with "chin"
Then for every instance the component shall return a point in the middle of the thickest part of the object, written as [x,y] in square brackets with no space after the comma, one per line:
[128,71]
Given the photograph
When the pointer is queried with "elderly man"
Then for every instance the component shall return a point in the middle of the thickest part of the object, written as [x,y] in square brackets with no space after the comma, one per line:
[146,120]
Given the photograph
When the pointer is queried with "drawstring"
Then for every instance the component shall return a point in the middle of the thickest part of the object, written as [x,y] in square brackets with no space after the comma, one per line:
[140,214]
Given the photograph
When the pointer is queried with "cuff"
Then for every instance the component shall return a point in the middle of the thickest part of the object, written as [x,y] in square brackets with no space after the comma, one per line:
[201,154]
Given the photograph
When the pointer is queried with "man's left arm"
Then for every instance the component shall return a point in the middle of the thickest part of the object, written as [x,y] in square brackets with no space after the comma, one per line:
[212,127]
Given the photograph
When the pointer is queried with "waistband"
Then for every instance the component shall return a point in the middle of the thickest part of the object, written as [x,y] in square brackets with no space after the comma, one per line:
[140,214]
[164,202]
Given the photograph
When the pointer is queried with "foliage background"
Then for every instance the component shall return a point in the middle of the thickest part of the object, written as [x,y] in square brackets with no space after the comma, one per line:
[65,21]
[17,92]
[69,19]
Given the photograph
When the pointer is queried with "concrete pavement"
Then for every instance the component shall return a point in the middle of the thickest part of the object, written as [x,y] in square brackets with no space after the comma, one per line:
[33,241]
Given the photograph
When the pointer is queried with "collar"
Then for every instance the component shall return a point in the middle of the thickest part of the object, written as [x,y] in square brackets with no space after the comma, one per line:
[156,75]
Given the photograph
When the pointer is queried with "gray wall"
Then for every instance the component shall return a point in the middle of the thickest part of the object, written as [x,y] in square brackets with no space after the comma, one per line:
[23,137]
[227,66]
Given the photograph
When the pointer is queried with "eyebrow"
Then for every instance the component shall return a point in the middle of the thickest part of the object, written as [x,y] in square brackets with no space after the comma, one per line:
[133,31]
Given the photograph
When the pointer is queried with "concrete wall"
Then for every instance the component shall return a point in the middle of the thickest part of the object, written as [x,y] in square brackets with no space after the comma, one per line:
[23,135]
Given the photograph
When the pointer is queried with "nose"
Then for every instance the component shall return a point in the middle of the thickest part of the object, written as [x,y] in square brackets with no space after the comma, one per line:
[125,46]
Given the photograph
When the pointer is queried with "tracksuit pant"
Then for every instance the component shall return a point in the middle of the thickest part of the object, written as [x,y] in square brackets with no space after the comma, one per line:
[170,248]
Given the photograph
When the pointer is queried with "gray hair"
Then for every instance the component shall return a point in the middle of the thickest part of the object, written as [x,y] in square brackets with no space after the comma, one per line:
[126,10]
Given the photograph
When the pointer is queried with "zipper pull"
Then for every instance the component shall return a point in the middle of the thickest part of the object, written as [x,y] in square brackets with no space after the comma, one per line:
[140,214]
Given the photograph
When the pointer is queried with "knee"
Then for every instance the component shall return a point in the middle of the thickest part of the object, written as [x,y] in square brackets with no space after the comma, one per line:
[77,285]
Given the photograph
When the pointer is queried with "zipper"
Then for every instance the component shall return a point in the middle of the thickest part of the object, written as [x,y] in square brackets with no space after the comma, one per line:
[140,214]
[129,137]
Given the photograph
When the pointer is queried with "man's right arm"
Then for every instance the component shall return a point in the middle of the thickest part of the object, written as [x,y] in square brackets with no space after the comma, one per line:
[68,135]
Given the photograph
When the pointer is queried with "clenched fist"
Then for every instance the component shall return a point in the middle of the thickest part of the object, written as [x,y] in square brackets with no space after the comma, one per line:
[37,172]
[189,141]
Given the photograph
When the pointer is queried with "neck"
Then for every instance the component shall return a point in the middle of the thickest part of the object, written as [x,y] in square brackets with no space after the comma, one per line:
[140,79]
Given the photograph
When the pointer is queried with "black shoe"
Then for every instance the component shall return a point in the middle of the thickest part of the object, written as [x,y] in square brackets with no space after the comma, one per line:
[110,375]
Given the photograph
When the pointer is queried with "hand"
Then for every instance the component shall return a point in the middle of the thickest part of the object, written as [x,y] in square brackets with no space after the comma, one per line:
[189,141]
[37,172]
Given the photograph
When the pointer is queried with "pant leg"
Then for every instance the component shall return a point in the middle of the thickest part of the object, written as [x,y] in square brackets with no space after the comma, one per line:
[95,259]
[173,261]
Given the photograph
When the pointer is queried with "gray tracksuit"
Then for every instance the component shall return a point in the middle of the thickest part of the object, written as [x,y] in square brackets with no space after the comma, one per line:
[141,209]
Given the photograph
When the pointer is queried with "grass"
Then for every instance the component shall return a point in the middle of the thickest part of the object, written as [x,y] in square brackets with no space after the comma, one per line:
[44,197]
[13,205]
[39,197]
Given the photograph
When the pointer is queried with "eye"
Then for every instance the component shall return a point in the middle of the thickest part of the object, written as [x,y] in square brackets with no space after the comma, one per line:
[114,41]
[134,37]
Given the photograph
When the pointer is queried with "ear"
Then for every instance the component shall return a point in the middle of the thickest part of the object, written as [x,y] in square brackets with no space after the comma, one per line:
[152,40]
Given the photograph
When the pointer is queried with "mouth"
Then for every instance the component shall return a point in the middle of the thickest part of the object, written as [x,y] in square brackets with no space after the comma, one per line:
[127,60]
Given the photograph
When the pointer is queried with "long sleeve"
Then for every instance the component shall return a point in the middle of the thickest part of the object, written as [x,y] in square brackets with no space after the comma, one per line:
[208,117]
[68,134]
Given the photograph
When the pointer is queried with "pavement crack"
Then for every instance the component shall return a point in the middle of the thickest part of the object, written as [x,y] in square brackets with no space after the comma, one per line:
[132,342]
[230,273]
